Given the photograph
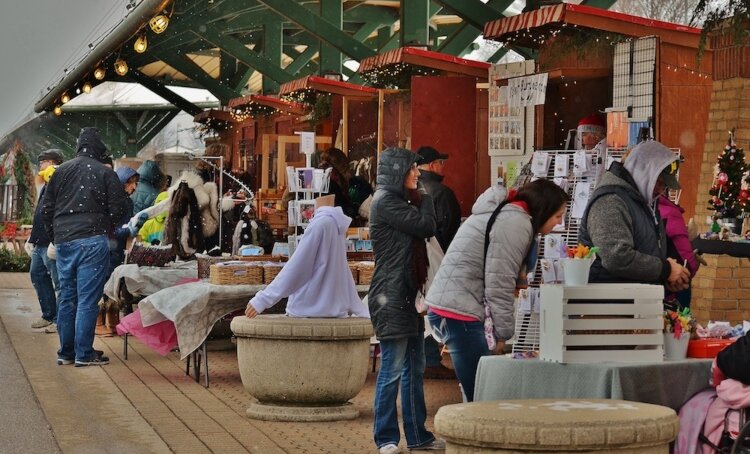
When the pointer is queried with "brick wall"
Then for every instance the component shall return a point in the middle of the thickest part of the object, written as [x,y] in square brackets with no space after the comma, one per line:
[721,290]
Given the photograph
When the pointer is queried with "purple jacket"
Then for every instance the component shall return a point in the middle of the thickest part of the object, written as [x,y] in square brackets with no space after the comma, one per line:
[677,232]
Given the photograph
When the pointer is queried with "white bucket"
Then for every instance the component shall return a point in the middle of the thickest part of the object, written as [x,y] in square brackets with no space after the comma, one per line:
[576,271]
[676,349]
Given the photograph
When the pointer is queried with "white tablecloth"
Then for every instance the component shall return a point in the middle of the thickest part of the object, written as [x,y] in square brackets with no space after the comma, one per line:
[147,280]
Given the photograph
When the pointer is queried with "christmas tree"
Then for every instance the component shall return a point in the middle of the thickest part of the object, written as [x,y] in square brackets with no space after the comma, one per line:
[729,199]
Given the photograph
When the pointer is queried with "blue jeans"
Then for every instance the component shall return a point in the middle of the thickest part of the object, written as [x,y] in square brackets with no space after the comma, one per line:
[43,273]
[82,266]
[466,344]
[401,360]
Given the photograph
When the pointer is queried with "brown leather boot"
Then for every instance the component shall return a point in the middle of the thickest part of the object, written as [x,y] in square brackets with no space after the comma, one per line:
[101,329]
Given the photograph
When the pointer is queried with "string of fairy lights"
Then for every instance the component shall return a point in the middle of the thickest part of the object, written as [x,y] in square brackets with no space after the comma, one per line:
[397,75]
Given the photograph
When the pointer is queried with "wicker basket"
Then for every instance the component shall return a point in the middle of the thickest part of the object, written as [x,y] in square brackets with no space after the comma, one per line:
[261,258]
[236,273]
[365,270]
[205,262]
[355,271]
[270,271]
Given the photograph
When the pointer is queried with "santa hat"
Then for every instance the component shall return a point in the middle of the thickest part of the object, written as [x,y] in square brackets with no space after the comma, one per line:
[592,123]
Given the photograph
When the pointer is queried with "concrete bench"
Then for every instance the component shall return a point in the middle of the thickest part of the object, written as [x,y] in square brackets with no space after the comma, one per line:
[556,425]
[302,369]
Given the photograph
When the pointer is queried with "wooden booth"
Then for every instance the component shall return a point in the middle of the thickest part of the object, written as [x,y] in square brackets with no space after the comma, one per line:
[642,72]
[266,127]
[429,98]
[345,111]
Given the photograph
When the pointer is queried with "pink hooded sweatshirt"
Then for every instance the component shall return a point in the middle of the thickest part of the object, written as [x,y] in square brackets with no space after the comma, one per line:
[676,231]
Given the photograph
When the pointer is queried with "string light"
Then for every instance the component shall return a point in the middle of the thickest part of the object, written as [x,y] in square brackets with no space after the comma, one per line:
[141,44]
[57,110]
[692,71]
[99,72]
[121,67]
[250,110]
[86,87]
[65,98]
[397,75]
[159,23]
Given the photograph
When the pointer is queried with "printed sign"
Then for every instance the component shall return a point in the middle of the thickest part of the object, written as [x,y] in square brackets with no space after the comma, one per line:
[527,90]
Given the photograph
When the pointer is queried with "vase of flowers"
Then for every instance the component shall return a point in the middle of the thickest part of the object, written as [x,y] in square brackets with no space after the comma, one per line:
[678,328]
[577,263]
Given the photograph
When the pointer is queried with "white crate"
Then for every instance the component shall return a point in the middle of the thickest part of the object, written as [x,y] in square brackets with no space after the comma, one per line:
[640,312]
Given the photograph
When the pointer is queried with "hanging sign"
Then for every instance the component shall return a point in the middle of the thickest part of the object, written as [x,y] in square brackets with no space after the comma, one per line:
[527,90]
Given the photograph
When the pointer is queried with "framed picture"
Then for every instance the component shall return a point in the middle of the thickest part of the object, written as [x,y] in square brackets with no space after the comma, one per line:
[305,212]
[363,246]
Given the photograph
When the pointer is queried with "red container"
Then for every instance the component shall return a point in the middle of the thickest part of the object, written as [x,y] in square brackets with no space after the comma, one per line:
[707,348]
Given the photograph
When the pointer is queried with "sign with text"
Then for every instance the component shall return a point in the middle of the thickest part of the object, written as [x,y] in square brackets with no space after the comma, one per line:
[527,90]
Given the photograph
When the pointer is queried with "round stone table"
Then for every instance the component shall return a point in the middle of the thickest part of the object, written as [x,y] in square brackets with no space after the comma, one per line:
[302,369]
[556,425]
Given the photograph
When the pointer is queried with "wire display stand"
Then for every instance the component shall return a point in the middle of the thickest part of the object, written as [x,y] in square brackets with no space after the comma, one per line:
[307,183]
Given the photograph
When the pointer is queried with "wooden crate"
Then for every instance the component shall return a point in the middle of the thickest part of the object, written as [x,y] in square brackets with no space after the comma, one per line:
[602,323]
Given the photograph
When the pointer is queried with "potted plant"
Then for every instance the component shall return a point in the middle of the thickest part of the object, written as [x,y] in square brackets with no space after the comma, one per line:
[679,326]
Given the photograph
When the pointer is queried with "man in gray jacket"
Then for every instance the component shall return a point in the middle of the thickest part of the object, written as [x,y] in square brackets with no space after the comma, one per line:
[623,221]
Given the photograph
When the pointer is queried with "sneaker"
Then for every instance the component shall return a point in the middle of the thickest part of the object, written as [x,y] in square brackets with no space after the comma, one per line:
[439,372]
[40,323]
[437,444]
[51,328]
[64,362]
[100,360]
[390,448]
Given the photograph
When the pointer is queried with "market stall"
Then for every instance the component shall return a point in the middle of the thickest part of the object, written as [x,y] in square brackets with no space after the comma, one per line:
[429,98]
[642,72]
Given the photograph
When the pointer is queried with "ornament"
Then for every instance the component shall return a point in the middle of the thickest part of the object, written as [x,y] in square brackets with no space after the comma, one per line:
[722,178]
[744,194]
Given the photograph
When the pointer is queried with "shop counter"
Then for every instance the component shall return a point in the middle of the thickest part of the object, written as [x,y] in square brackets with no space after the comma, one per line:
[669,383]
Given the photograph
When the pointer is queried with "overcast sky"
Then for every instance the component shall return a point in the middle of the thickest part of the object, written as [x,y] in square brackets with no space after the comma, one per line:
[38,40]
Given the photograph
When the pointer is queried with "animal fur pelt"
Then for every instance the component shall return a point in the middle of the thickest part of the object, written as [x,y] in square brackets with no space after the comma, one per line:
[206,194]
[183,225]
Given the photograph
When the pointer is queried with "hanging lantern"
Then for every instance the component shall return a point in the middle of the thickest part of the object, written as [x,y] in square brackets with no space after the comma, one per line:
[65,97]
[57,110]
[159,23]
[141,44]
[86,87]
[99,73]
[121,68]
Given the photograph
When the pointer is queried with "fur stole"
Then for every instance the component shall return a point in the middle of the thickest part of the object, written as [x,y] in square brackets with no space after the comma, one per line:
[183,226]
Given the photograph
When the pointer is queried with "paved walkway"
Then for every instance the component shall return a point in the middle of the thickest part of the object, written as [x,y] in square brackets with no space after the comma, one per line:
[147,404]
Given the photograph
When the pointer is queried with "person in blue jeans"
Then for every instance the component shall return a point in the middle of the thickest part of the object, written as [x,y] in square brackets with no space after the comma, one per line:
[43,271]
[402,216]
[474,273]
[83,203]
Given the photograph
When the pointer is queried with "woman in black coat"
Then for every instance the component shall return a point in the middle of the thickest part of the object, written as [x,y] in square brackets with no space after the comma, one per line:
[402,216]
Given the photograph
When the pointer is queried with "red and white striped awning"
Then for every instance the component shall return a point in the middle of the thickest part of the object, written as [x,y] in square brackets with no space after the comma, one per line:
[428,59]
[327,86]
[268,101]
[568,14]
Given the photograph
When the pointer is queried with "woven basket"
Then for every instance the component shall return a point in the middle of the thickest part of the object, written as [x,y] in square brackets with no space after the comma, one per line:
[355,271]
[235,273]
[270,270]
[205,262]
[365,270]
[260,258]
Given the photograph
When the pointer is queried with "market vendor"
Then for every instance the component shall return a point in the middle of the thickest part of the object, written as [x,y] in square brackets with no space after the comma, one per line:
[316,279]
[591,132]
[622,220]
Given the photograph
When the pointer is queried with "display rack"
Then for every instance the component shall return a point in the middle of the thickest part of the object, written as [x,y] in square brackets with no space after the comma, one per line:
[307,183]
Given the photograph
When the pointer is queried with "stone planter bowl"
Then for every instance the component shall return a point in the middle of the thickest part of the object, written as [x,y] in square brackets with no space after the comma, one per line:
[302,369]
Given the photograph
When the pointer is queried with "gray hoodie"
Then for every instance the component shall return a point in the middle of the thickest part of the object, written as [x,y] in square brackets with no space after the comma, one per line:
[622,219]
[461,285]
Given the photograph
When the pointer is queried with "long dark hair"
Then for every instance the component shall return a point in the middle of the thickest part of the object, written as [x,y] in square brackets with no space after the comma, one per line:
[544,198]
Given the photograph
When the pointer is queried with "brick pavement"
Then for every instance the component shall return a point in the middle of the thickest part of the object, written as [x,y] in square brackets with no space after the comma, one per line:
[148,404]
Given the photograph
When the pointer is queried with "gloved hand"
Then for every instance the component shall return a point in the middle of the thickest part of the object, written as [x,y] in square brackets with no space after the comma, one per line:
[29,248]
[52,251]
[420,188]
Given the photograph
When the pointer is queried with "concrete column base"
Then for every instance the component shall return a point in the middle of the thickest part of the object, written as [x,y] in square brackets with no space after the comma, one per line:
[265,412]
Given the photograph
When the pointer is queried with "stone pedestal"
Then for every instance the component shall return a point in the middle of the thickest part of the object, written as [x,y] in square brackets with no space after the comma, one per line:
[302,369]
[556,425]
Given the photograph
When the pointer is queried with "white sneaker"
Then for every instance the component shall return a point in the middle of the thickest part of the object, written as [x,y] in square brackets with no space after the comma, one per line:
[390,448]
[51,328]
[40,323]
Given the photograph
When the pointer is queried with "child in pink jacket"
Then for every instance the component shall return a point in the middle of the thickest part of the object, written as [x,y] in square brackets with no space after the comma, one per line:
[678,242]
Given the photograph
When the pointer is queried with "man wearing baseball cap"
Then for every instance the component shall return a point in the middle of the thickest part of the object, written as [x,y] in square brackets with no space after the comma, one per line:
[448,215]
[43,271]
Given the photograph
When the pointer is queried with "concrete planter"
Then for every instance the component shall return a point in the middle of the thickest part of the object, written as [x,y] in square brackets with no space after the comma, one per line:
[302,369]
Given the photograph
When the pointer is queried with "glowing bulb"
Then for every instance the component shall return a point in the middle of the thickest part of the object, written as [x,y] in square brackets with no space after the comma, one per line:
[57,110]
[65,98]
[99,73]
[121,68]
[159,23]
[86,87]
[141,44]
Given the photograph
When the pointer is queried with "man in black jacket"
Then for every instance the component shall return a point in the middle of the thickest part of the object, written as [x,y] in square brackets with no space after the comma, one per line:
[83,202]
[43,271]
[448,214]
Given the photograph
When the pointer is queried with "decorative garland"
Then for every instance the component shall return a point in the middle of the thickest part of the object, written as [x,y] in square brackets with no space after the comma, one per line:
[584,43]
[397,76]
[17,160]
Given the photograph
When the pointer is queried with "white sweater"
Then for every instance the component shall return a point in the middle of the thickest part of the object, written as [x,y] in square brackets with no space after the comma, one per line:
[317,279]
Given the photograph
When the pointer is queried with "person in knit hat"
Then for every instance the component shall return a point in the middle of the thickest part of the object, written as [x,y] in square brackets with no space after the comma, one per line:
[591,131]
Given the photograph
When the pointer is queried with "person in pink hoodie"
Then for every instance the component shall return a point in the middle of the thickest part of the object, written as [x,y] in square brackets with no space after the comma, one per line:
[678,242]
